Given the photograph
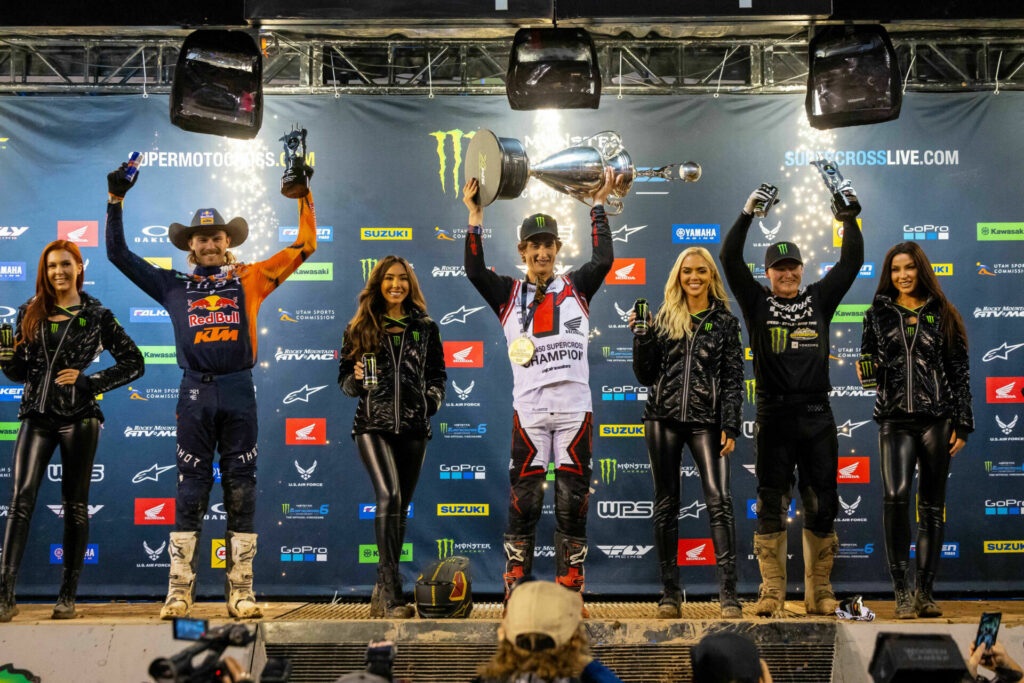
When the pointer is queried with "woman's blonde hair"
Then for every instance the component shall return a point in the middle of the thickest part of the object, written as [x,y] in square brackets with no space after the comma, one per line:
[566,661]
[673,318]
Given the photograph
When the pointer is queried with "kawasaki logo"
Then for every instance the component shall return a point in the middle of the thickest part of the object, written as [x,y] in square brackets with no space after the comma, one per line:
[609,467]
[779,337]
[442,137]
[368,265]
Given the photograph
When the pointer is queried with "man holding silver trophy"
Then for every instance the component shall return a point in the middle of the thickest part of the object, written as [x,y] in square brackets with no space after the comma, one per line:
[213,311]
[546,324]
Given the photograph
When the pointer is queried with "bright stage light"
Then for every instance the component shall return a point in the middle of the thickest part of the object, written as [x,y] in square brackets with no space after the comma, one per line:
[553,67]
[853,77]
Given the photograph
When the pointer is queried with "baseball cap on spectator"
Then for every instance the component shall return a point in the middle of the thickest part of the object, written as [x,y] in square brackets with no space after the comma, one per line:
[725,657]
[541,615]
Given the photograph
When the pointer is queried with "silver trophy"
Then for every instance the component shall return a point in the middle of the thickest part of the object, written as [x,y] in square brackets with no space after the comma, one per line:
[503,169]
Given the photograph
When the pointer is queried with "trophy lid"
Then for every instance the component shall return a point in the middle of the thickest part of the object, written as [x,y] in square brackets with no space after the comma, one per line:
[500,166]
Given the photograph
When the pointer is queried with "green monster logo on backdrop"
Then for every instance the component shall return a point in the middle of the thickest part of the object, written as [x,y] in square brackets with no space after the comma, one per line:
[780,335]
[609,466]
[445,547]
[751,390]
[457,136]
[368,265]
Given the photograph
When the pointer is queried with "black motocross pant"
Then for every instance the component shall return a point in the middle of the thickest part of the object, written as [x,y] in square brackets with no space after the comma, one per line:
[394,463]
[37,438]
[665,441]
[801,436]
[902,444]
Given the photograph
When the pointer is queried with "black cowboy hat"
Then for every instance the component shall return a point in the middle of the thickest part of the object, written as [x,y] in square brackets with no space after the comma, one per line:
[208,219]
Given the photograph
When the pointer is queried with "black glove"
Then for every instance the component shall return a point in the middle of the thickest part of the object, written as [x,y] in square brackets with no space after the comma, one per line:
[117,184]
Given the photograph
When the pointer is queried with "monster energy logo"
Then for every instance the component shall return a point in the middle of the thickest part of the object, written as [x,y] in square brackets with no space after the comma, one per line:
[751,390]
[707,327]
[444,427]
[456,136]
[605,350]
[445,547]
[609,466]
[783,248]
[540,221]
[988,465]
[780,335]
[867,367]
[285,507]
[368,265]
[930,318]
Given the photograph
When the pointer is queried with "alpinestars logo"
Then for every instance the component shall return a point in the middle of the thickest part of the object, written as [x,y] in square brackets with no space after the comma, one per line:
[625,552]
[692,510]
[622,234]
[460,315]
[150,474]
[450,139]
[302,394]
[305,354]
[1001,352]
[150,431]
[779,338]
[846,429]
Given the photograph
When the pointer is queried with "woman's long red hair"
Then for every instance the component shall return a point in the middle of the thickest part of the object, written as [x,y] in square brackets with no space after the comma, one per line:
[45,299]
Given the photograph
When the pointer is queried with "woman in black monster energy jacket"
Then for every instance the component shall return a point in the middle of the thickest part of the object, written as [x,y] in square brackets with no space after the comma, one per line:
[392,421]
[917,342]
[693,359]
[59,333]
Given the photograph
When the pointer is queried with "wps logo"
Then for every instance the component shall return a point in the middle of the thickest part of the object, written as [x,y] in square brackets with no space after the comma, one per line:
[779,335]
[621,430]
[625,509]
[1004,389]
[82,233]
[695,551]
[464,354]
[450,139]
[306,431]
[609,467]
[854,470]
[154,511]
[627,271]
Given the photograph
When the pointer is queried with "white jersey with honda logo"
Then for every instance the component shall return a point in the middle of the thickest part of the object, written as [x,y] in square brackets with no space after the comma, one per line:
[559,330]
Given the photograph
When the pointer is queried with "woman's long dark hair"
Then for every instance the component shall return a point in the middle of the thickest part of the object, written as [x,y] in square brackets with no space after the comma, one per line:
[42,303]
[953,328]
[364,329]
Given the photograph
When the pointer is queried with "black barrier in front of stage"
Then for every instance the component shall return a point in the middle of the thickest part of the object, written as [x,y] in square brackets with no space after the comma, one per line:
[388,180]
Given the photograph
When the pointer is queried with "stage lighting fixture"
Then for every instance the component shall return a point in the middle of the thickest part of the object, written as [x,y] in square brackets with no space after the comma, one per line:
[911,657]
[553,68]
[218,84]
[853,77]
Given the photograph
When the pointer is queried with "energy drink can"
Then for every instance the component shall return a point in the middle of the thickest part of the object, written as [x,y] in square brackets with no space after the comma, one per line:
[6,337]
[133,165]
[761,206]
[868,378]
[369,370]
[641,310]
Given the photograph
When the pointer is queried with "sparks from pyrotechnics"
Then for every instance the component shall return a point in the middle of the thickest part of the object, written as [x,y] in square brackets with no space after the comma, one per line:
[547,139]
[248,193]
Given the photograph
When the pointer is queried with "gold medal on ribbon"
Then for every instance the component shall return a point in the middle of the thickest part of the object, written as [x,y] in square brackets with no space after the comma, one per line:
[521,350]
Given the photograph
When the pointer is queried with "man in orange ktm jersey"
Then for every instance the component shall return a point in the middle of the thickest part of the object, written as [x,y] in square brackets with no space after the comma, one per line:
[213,310]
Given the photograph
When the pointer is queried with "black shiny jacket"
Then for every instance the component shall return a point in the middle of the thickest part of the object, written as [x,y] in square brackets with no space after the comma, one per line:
[918,376]
[92,330]
[694,379]
[403,401]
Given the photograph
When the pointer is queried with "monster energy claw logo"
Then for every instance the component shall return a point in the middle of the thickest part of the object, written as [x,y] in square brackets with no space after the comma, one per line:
[368,265]
[540,221]
[707,327]
[445,547]
[286,507]
[780,335]
[783,248]
[456,136]
[609,466]
[866,367]
[751,390]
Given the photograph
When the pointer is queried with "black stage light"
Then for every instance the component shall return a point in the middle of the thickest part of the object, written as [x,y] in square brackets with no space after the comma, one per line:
[553,68]
[853,77]
[218,84]
[911,657]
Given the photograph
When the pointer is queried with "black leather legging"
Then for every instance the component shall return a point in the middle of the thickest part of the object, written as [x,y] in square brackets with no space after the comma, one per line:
[394,463]
[37,438]
[902,444]
[665,441]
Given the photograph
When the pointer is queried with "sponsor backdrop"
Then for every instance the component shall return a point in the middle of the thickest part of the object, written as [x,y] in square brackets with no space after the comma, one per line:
[388,178]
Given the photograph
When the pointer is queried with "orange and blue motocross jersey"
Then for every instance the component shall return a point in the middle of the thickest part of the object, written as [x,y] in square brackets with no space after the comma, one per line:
[214,308]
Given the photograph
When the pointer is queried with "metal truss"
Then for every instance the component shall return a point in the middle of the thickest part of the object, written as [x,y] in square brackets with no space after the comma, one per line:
[942,61]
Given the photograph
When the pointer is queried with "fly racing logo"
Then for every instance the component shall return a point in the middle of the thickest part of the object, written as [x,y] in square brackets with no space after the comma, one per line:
[155,513]
[779,335]
[367,265]
[622,234]
[846,429]
[302,394]
[624,273]
[460,315]
[150,473]
[751,385]
[12,232]
[450,139]
[573,326]
[150,431]
[1007,427]
[625,552]
[463,393]
[59,510]
[154,553]
[305,474]
[850,508]
[692,510]
[696,553]
[769,233]
[609,468]
[1000,352]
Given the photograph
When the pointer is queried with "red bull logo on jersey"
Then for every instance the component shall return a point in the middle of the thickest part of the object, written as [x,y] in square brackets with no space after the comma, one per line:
[213,310]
